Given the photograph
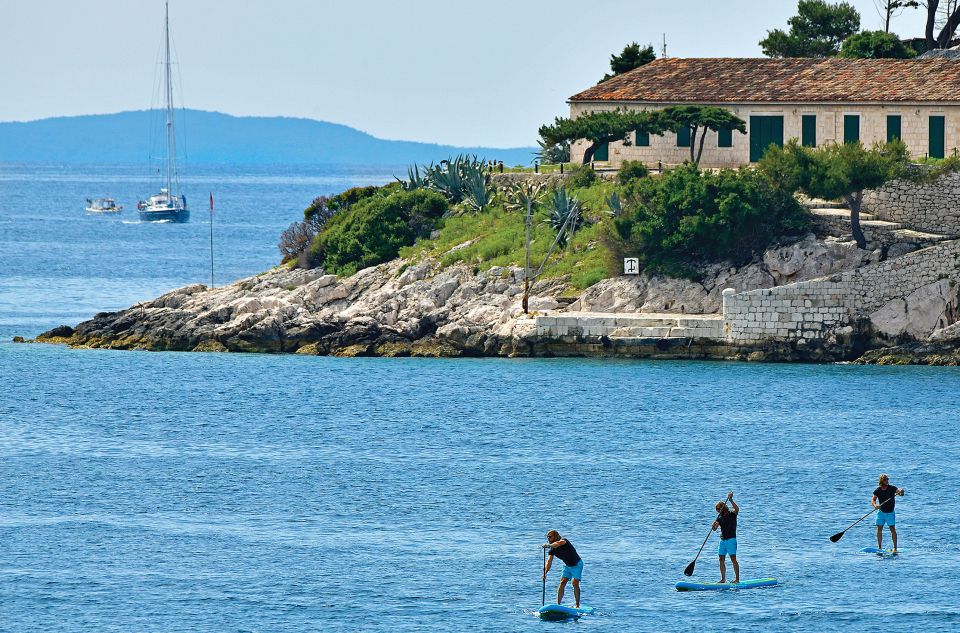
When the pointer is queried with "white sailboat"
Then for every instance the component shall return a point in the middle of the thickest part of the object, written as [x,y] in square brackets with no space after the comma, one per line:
[170,205]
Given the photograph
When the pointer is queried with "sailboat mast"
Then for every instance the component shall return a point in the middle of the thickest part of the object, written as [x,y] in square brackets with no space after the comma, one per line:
[168,91]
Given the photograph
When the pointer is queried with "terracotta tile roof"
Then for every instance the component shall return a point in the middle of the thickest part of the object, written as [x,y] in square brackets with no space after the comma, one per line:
[750,80]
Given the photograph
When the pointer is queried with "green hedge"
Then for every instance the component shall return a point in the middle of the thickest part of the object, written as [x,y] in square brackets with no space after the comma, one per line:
[374,230]
[687,218]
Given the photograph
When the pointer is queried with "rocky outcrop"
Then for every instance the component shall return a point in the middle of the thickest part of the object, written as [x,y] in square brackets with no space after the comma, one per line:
[421,309]
[809,258]
[393,309]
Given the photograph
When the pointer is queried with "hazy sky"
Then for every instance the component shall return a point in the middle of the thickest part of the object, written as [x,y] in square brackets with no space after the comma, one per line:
[485,72]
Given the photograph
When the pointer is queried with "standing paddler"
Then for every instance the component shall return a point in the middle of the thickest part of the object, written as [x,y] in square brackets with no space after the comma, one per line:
[727,522]
[883,500]
[572,564]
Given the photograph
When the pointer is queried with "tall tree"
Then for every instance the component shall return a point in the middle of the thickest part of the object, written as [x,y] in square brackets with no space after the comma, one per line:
[946,17]
[834,171]
[875,45]
[631,57]
[699,119]
[600,128]
[817,30]
[889,9]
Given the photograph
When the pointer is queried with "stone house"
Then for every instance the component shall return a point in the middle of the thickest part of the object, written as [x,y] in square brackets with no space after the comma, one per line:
[813,100]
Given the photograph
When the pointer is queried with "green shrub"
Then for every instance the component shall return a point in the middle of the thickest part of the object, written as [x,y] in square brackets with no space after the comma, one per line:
[631,170]
[581,177]
[375,229]
[688,217]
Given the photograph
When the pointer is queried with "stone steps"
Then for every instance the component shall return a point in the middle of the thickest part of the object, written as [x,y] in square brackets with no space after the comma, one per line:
[909,235]
[895,231]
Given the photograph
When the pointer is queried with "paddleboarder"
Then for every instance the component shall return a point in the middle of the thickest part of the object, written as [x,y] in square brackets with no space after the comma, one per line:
[727,522]
[885,504]
[572,564]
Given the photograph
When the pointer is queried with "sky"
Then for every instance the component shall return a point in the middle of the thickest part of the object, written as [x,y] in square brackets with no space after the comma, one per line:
[465,73]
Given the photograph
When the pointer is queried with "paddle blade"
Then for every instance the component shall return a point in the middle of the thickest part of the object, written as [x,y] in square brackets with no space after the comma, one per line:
[689,570]
[836,537]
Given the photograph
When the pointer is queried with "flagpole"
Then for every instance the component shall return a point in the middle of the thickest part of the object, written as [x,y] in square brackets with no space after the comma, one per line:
[211,241]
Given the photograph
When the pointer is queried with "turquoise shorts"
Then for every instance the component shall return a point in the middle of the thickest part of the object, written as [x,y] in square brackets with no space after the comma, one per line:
[573,572]
[728,547]
[887,518]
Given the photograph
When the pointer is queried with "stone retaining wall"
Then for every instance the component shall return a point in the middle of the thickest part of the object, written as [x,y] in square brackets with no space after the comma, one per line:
[809,310]
[800,311]
[878,284]
[932,207]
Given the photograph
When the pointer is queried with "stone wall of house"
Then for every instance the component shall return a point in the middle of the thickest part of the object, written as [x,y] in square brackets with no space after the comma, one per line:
[882,292]
[915,121]
[932,207]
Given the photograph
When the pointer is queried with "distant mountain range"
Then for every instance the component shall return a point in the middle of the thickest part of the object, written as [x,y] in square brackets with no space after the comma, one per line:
[213,137]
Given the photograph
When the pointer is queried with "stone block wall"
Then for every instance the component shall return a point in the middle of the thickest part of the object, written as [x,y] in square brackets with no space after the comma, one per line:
[809,310]
[931,207]
[880,283]
[804,310]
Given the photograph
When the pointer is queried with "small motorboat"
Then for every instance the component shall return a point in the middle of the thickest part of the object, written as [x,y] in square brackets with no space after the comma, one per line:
[103,205]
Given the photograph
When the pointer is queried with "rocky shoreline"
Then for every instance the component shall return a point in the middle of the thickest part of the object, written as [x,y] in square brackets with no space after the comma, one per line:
[419,309]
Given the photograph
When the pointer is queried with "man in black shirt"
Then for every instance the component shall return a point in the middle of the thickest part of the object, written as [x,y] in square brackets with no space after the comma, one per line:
[883,500]
[727,522]
[572,564]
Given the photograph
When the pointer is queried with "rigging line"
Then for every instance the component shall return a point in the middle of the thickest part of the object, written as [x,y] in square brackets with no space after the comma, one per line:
[183,109]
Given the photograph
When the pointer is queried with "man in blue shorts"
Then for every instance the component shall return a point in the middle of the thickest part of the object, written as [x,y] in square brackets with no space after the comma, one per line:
[883,500]
[572,564]
[727,522]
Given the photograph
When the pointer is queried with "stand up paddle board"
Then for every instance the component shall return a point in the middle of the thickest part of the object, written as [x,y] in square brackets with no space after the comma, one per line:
[562,612]
[685,585]
[881,552]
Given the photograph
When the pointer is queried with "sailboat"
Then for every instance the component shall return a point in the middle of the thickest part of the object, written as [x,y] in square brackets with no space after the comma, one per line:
[170,205]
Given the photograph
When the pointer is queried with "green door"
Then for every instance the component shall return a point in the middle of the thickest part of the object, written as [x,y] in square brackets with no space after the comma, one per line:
[851,128]
[936,137]
[808,130]
[764,132]
[894,127]
[602,153]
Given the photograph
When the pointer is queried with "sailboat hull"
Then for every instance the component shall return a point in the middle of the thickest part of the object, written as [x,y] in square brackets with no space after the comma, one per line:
[165,215]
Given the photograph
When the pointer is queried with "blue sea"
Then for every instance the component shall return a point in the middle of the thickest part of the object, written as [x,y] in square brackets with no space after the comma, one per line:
[226,492]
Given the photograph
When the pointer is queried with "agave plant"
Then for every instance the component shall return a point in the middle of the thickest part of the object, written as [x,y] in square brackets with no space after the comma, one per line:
[447,178]
[553,154]
[614,204]
[566,214]
[477,189]
[414,179]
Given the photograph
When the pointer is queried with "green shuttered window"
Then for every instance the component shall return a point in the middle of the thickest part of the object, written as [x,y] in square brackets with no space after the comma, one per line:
[764,132]
[937,144]
[643,139]
[725,138]
[808,131]
[894,127]
[683,137]
[851,128]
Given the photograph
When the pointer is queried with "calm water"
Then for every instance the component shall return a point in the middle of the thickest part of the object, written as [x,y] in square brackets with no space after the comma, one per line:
[62,266]
[207,492]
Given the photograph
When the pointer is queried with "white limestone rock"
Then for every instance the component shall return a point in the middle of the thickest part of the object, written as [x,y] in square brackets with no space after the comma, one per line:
[917,315]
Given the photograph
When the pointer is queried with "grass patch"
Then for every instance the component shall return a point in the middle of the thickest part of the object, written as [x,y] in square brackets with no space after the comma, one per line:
[496,238]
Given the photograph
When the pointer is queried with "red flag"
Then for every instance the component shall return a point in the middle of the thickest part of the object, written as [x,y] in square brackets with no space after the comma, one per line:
[211,202]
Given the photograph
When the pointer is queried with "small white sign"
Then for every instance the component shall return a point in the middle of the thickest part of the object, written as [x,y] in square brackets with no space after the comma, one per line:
[631,266]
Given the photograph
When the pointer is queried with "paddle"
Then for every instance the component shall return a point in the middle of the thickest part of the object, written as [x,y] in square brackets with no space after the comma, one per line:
[543,595]
[839,535]
[689,570]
